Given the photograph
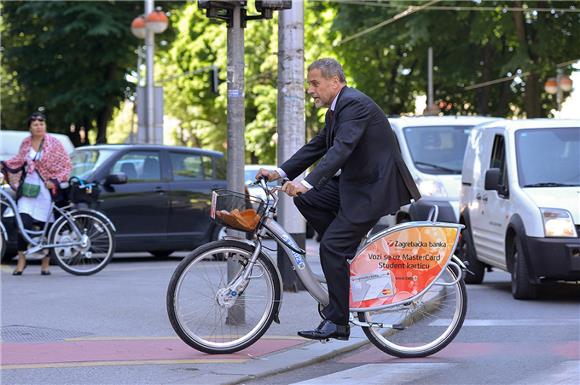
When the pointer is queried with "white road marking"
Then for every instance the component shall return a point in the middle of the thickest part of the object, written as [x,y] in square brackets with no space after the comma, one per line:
[379,374]
[511,322]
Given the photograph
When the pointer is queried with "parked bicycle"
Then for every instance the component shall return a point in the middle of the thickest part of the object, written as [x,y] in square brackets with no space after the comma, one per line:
[406,289]
[80,240]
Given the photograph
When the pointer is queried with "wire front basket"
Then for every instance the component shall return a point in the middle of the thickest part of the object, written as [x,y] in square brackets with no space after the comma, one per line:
[237,211]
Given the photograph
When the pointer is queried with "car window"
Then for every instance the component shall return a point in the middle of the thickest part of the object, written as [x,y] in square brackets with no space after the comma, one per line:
[548,157]
[187,166]
[437,149]
[221,168]
[207,162]
[84,162]
[139,166]
[498,158]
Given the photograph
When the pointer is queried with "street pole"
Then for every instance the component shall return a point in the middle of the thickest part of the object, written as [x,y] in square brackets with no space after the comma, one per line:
[149,48]
[291,124]
[559,92]
[430,81]
[236,127]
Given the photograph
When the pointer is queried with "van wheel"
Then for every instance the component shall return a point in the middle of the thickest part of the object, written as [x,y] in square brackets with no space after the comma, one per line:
[467,254]
[522,288]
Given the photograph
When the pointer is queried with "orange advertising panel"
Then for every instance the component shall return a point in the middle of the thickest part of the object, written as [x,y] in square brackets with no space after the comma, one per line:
[399,265]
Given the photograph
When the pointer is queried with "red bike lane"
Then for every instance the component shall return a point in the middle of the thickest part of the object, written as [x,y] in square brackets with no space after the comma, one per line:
[128,351]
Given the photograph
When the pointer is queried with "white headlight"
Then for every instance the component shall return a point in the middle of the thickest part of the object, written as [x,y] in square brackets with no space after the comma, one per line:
[558,223]
[431,187]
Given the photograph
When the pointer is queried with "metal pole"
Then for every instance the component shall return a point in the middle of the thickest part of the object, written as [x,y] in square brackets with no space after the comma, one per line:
[236,127]
[291,123]
[430,80]
[149,46]
[559,93]
[134,137]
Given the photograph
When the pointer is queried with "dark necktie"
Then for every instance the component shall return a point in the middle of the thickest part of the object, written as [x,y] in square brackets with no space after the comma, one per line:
[329,130]
[329,118]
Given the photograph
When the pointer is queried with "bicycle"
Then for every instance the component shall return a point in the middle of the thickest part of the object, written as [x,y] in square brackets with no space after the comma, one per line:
[407,291]
[80,239]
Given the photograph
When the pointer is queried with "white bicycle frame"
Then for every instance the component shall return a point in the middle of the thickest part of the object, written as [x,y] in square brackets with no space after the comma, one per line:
[313,282]
[30,235]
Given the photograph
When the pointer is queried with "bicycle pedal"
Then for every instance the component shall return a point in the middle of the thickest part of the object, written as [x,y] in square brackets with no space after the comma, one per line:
[325,341]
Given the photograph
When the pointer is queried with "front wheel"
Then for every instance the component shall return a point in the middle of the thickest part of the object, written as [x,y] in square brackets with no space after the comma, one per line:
[425,325]
[522,288]
[87,251]
[209,313]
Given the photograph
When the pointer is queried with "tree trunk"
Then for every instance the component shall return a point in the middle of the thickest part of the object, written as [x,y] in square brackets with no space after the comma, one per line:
[75,136]
[532,104]
[484,93]
[502,107]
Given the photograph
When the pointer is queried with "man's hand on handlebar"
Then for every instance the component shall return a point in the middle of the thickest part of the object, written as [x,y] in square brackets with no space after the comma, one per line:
[294,188]
[270,175]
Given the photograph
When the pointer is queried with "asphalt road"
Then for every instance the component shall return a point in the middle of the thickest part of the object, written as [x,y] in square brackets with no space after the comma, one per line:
[112,328]
[503,341]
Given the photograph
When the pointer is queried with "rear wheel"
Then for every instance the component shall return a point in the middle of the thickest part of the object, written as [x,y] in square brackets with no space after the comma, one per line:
[425,325]
[207,312]
[522,288]
[85,253]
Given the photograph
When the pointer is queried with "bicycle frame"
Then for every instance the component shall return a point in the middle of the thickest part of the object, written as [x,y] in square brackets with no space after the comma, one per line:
[29,235]
[313,282]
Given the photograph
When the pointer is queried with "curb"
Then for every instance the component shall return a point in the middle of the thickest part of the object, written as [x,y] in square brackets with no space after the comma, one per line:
[312,349]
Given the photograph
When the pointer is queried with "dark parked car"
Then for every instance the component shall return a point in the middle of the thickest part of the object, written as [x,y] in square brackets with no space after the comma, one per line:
[165,204]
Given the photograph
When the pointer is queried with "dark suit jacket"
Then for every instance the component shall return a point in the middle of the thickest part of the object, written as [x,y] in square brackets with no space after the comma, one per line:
[374,179]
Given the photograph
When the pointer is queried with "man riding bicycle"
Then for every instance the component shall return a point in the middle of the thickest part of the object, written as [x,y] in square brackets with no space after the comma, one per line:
[360,177]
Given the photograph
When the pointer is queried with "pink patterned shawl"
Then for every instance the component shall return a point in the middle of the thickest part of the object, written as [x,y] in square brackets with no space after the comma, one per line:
[54,165]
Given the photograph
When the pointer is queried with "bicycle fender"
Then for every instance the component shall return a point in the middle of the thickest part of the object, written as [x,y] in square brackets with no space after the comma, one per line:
[99,214]
[458,261]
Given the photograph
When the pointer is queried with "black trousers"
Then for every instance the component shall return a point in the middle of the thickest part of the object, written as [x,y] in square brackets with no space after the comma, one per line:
[340,239]
[29,224]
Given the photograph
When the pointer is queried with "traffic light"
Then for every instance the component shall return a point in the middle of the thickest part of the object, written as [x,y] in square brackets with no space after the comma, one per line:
[267,7]
[219,9]
[214,80]
[207,4]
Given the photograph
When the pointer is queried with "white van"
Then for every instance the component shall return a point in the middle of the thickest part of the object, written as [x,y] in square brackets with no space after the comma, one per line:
[520,202]
[433,149]
[10,142]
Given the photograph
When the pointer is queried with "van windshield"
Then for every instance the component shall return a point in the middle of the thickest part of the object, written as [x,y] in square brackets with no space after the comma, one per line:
[437,149]
[84,162]
[548,157]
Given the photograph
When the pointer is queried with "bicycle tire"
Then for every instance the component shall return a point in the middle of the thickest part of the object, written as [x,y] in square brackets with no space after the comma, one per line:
[95,255]
[421,319]
[198,282]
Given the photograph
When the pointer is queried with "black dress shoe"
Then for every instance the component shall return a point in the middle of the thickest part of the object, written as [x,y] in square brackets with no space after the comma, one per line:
[18,272]
[327,329]
[44,272]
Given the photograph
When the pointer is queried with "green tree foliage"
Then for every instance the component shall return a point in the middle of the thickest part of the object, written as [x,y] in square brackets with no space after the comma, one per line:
[470,46]
[201,43]
[68,57]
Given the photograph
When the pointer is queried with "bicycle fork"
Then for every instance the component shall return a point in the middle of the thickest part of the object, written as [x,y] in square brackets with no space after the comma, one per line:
[228,295]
